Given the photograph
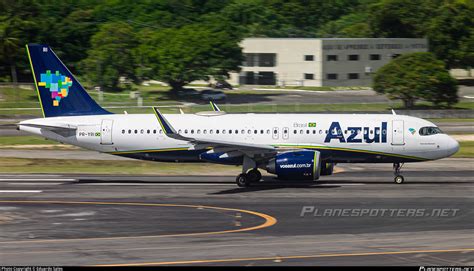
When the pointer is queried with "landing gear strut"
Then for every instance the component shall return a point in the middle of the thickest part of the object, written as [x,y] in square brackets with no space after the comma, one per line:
[396,171]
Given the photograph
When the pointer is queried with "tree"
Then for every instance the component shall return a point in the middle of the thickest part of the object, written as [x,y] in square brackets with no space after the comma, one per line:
[448,25]
[415,76]
[451,34]
[111,55]
[193,52]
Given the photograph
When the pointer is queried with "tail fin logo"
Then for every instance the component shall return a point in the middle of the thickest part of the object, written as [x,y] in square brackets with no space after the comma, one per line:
[57,84]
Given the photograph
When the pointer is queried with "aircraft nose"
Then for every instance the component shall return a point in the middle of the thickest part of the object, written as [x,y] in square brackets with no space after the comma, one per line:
[452,147]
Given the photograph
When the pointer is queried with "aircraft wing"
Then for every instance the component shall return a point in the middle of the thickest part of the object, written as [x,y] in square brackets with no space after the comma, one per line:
[225,146]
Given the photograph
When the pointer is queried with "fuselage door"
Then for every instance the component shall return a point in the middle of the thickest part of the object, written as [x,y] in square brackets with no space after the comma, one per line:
[286,133]
[275,133]
[398,132]
[106,132]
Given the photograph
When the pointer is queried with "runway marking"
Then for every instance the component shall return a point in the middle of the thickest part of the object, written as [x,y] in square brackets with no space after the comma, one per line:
[21,183]
[269,220]
[203,184]
[215,245]
[38,179]
[21,191]
[292,257]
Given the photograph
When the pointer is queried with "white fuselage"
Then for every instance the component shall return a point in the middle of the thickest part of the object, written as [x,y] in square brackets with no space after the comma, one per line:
[381,137]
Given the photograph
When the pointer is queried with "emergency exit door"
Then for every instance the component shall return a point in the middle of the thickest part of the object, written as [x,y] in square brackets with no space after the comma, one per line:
[106,132]
[398,137]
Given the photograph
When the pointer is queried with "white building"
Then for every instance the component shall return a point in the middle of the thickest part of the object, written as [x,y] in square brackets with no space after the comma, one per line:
[318,62]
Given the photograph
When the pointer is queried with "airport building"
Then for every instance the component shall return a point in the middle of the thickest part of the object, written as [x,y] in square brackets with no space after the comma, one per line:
[319,62]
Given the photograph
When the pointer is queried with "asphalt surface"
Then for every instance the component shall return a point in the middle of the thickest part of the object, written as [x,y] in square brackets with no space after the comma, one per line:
[205,220]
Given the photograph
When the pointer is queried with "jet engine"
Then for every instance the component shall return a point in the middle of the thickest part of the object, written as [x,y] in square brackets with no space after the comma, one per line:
[296,165]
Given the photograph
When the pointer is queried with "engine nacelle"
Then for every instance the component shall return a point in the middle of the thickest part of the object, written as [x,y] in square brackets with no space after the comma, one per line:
[327,168]
[296,165]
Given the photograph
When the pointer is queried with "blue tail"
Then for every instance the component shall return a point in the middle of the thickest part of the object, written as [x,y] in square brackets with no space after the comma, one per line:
[60,94]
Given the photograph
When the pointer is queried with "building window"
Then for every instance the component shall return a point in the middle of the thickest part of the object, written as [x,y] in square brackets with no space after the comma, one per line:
[352,76]
[267,60]
[332,76]
[353,57]
[331,58]
[249,60]
[395,56]
[374,57]
[309,76]
[309,58]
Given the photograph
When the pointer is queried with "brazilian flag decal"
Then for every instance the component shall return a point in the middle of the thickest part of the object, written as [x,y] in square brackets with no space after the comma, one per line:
[312,124]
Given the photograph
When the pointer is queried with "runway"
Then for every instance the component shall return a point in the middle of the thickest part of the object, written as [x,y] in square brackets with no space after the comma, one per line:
[207,220]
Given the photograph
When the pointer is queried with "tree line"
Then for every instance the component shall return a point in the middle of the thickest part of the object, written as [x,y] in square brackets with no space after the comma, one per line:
[179,41]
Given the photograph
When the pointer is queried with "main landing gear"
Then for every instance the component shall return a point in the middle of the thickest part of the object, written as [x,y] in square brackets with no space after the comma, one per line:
[245,179]
[396,171]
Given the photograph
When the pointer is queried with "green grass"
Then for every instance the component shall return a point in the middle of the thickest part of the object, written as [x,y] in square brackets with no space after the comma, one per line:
[466,149]
[25,140]
[314,88]
[156,95]
[26,165]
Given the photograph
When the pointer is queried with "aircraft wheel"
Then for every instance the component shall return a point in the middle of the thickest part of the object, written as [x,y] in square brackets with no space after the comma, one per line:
[399,179]
[242,180]
[254,175]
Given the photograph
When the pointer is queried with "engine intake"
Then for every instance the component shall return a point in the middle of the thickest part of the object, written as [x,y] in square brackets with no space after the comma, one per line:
[296,165]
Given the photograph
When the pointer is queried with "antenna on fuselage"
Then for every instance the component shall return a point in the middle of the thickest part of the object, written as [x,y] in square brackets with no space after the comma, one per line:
[393,112]
[181,111]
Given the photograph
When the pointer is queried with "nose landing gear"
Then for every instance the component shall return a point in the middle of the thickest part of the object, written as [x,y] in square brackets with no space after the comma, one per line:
[396,171]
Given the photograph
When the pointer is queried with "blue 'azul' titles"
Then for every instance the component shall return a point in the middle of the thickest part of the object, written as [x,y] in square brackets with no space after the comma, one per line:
[357,134]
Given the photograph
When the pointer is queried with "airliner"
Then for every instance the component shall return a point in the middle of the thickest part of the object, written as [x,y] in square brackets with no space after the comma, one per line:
[290,146]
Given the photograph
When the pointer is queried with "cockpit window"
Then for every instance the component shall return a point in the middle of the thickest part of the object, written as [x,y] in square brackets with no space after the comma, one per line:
[424,131]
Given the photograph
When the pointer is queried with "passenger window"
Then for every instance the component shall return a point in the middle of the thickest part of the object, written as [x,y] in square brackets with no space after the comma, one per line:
[255,131]
[230,131]
[161,131]
[136,131]
[204,131]
[129,131]
[186,131]
[274,131]
[192,131]
[142,131]
[243,131]
[179,131]
[198,131]
[223,131]
[294,132]
[314,132]
[211,131]
[217,131]
[236,131]
[301,132]
[261,132]
[326,131]
[148,131]
[154,131]
[123,131]
[249,131]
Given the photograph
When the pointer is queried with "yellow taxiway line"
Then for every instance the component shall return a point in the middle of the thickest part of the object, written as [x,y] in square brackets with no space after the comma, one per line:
[269,220]
[279,258]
